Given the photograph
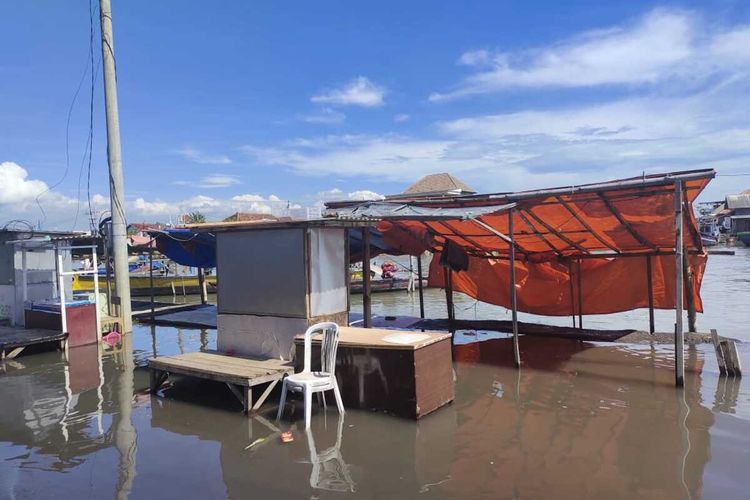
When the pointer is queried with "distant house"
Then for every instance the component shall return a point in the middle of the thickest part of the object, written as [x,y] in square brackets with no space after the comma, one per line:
[738,206]
[253,217]
[443,184]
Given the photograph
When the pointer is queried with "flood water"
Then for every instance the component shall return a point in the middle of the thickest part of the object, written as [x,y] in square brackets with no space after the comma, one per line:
[579,420]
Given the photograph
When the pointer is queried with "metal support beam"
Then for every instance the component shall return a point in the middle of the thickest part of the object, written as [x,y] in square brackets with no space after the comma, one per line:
[448,278]
[555,232]
[151,279]
[687,276]
[580,295]
[586,225]
[421,291]
[513,303]
[572,292]
[679,340]
[635,234]
[366,291]
[650,285]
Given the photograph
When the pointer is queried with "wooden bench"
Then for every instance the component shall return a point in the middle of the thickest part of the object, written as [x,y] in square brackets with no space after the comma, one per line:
[239,373]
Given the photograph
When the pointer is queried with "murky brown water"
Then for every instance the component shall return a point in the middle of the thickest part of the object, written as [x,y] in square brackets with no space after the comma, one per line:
[578,421]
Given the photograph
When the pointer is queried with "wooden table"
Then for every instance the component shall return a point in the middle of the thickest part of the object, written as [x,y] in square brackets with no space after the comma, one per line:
[407,379]
[239,373]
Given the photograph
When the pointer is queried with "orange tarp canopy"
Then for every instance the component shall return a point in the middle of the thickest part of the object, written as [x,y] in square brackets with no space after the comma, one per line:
[609,228]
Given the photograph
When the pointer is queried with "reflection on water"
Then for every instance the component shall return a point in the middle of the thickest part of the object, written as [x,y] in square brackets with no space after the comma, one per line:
[578,421]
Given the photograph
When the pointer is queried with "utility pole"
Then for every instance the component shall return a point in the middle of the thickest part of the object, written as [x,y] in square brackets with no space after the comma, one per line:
[114,158]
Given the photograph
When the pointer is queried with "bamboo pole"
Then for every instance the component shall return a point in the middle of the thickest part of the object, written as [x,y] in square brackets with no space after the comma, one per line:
[513,303]
[679,340]
[366,297]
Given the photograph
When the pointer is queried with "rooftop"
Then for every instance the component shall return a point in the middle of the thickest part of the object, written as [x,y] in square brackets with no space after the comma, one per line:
[735,201]
[443,183]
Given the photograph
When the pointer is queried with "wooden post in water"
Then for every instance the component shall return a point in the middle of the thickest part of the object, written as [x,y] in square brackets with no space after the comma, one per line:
[513,303]
[366,297]
[202,285]
[679,340]
[650,286]
[421,292]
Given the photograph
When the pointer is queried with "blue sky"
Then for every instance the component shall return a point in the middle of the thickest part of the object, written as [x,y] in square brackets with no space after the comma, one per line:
[253,105]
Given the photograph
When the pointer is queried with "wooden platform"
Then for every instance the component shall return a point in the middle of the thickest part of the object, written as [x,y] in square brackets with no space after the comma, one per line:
[240,374]
[14,340]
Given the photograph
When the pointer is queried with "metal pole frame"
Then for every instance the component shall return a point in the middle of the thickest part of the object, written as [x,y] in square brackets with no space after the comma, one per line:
[421,291]
[580,295]
[650,286]
[366,291]
[679,340]
[513,300]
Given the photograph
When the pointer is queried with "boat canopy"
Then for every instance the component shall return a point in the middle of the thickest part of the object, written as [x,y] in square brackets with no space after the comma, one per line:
[588,249]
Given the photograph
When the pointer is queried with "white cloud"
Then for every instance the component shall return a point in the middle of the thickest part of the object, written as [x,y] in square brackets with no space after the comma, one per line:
[211,181]
[198,156]
[544,147]
[16,187]
[663,46]
[364,195]
[401,117]
[358,92]
[325,116]
[337,194]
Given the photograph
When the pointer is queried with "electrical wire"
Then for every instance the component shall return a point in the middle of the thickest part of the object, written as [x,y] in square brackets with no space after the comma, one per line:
[67,138]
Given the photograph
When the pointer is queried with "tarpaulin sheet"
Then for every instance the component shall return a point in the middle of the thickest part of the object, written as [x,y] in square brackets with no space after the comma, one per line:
[607,285]
[553,228]
[186,247]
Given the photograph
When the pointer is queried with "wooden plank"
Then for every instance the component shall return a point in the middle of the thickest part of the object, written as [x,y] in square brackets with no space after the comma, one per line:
[264,396]
[15,352]
[11,338]
[213,366]
[719,352]
[732,358]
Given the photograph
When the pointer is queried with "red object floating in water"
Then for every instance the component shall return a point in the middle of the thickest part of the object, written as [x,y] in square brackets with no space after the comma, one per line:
[112,338]
[287,437]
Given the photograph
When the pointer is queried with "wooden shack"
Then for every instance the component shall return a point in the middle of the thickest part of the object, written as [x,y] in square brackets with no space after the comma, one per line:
[275,280]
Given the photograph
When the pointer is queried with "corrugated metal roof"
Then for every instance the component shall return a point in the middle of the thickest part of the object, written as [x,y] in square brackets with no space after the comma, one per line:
[735,201]
[401,211]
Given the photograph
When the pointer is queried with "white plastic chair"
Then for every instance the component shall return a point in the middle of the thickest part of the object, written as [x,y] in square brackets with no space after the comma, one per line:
[307,381]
